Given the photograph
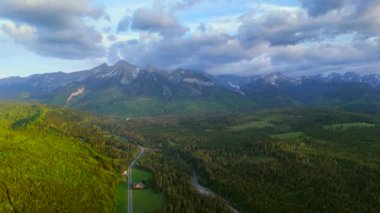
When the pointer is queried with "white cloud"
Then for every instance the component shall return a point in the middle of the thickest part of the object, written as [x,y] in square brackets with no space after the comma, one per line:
[21,32]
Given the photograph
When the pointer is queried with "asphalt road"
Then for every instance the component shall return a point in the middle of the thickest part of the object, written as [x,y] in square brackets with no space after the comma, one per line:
[206,191]
[130,181]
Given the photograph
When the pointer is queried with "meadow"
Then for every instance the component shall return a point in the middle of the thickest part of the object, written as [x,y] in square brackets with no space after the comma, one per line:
[146,200]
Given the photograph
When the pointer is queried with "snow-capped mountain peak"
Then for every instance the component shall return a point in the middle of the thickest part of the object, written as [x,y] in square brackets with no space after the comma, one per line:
[276,79]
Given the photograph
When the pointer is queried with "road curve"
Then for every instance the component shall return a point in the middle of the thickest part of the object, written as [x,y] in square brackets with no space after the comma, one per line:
[130,181]
[206,191]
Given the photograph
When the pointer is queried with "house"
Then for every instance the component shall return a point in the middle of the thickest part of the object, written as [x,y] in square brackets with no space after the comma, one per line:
[125,173]
[138,186]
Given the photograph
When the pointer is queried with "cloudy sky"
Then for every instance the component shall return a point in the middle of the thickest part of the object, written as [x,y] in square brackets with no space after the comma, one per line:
[296,37]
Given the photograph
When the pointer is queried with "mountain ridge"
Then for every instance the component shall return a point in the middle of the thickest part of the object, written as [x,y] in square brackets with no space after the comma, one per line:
[123,67]
[126,89]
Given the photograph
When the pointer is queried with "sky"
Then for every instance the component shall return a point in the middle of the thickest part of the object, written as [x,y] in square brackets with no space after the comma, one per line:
[242,37]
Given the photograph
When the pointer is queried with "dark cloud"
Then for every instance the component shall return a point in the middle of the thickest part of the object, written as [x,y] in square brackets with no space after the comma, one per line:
[278,28]
[321,7]
[124,24]
[292,27]
[48,13]
[54,28]
[196,52]
[224,55]
[112,38]
[157,21]
[204,28]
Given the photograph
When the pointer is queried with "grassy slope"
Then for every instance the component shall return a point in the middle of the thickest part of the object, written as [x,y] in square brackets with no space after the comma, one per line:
[347,126]
[121,197]
[141,174]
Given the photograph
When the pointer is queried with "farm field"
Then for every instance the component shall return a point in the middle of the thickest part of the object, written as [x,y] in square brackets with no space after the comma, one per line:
[346,126]
[120,197]
[288,135]
[146,200]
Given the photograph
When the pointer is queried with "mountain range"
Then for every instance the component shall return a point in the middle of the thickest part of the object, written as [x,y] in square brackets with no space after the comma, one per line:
[128,90]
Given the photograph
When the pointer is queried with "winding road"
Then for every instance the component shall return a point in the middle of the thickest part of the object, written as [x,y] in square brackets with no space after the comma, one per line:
[206,191]
[201,189]
[130,180]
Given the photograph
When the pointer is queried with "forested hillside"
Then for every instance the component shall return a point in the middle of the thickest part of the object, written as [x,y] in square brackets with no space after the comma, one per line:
[57,160]
[300,160]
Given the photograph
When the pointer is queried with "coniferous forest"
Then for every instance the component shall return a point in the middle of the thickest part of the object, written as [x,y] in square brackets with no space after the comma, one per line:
[301,160]
[298,160]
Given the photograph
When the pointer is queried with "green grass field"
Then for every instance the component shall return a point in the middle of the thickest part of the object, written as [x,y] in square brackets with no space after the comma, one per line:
[346,126]
[141,174]
[251,125]
[288,136]
[121,198]
[146,200]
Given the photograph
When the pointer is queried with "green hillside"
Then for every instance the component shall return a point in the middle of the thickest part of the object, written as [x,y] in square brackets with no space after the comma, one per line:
[57,160]
[150,106]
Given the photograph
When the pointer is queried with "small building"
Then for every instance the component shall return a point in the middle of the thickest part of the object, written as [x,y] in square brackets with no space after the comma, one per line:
[125,173]
[138,186]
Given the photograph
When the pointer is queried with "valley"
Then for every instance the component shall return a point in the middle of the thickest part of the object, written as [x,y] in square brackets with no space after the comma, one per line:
[277,168]
[190,106]
[271,160]
[265,146]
